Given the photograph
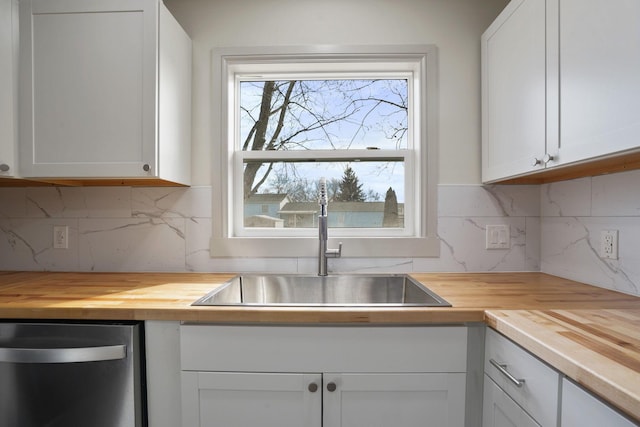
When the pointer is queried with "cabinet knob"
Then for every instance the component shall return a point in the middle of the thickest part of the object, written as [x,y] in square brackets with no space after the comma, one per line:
[547,158]
[331,386]
[4,167]
[536,161]
[313,387]
[146,167]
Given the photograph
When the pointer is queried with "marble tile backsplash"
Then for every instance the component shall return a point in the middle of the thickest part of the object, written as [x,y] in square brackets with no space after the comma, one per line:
[168,229]
[573,215]
[555,228]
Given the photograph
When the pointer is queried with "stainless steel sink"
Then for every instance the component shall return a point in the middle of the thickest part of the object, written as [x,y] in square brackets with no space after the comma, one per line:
[396,290]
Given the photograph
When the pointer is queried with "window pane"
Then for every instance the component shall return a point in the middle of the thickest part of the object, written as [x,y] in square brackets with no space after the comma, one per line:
[363,194]
[323,114]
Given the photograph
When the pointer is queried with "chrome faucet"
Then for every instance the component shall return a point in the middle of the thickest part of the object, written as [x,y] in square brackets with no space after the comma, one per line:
[323,234]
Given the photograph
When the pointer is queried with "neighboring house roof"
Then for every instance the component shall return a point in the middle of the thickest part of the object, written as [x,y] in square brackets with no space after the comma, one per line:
[312,207]
[266,198]
[300,207]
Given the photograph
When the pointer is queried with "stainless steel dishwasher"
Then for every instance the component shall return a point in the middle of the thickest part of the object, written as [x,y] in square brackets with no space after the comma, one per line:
[71,375]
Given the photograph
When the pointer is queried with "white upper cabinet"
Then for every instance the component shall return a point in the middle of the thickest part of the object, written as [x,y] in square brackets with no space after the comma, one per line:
[8,87]
[561,88]
[513,91]
[105,90]
[600,78]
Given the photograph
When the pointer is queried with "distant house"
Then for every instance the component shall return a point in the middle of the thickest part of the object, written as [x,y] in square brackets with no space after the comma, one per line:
[276,210]
[300,214]
[340,214]
[261,210]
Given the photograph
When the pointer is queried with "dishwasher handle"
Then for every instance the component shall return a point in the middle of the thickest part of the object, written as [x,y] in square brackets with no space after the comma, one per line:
[62,355]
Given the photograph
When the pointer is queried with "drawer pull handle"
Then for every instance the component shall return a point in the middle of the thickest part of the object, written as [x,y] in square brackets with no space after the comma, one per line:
[503,370]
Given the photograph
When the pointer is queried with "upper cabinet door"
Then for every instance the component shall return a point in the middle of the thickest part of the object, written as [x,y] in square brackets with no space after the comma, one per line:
[561,90]
[105,90]
[88,86]
[8,87]
[513,91]
[599,47]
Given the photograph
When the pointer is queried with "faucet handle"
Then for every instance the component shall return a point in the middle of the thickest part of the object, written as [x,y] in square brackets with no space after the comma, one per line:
[334,253]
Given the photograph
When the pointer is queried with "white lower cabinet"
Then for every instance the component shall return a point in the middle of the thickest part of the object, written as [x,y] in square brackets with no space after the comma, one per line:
[323,376]
[499,410]
[581,409]
[398,400]
[251,399]
[329,399]
[520,389]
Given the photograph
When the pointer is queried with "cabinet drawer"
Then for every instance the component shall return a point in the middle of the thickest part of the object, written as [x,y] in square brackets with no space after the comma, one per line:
[538,391]
[323,349]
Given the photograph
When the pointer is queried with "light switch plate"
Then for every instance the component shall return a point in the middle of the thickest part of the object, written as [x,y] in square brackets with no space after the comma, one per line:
[60,237]
[498,237]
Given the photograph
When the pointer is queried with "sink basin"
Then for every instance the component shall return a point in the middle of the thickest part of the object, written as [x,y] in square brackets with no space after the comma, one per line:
[397,290]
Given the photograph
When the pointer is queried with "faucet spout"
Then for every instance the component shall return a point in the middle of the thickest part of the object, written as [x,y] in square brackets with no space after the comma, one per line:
[323,235]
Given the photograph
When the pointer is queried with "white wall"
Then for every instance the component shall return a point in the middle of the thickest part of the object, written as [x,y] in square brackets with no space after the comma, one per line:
[454,26]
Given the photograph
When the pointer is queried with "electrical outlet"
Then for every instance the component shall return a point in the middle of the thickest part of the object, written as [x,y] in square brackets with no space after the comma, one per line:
[60,237]
[498,237]
[609,244]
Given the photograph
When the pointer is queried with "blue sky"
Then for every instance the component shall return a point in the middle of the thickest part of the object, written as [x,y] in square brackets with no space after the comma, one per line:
[368,125]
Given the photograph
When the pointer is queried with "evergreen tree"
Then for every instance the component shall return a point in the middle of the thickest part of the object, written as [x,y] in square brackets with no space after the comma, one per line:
[391,218]
[350,189]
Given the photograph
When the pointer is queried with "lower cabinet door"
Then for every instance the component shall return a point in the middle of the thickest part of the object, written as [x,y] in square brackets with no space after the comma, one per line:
[499,410]
[396,400]
[581,408]
[231,399]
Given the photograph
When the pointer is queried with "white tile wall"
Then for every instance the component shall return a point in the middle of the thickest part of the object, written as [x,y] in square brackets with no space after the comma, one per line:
[574,214]
[168,229]
[555,228]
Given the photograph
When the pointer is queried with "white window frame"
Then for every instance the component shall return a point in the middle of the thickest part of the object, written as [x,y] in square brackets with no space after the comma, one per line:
[419,236]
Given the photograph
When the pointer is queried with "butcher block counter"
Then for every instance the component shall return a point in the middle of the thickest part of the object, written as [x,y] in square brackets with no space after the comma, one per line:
[168,296]
[590,334]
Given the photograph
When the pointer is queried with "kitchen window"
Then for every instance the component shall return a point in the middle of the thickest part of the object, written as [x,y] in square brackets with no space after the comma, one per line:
[364,118]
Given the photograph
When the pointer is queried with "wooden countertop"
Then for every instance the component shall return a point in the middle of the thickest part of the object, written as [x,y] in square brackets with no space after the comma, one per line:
[598,348]
[168,296]
[590,334]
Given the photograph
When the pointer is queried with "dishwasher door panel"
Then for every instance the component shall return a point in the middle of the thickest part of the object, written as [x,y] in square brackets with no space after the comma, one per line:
[70,375]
